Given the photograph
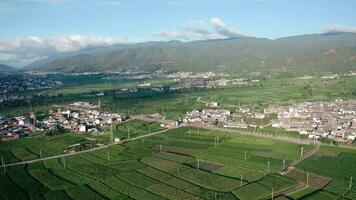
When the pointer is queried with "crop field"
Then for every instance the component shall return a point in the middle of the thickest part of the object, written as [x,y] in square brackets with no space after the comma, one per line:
[134,128]
[32,147]
[270,92]
[337,164]
[183,163]
[175,104]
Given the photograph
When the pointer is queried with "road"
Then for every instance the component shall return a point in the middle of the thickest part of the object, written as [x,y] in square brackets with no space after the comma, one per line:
[84,151]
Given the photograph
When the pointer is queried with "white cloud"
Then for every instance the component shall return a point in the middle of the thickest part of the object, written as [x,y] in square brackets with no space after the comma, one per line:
[224,29]
[31,48]
[172,35]
[335,28]
[199,29]
[196,26]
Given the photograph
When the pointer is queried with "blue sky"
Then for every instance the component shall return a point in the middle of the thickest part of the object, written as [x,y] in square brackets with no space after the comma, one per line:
[33,29]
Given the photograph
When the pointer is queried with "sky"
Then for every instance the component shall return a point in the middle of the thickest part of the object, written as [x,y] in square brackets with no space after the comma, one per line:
[35,29]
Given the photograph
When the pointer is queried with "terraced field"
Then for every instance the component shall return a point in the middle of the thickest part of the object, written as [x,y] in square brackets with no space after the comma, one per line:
[183,163]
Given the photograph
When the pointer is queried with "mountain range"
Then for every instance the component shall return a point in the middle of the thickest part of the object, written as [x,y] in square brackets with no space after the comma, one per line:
[6,68]
[330,52]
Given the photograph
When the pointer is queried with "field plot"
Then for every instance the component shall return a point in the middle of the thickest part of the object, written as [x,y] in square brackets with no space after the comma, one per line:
[263,188]
[12,190]
[253,153]
[141,169]
[248,192]
[301,193]
[31,148]
[314,181]
[176,182]
[56,195]
[321,195]
[83,192]
[134,128]
[334,165]
[172,193]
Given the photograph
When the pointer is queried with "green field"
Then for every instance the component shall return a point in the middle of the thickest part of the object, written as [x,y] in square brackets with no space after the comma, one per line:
[134,128]
[337,164]
[165,166]
[272,90]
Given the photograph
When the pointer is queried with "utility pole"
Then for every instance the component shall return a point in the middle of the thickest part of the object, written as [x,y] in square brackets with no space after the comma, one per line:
[284,162]
[160,148]
[198,165]
[350,186]
[241,181]
[268,165]
[301,151]
[64,161]
[3,164]
[307,179]
[272,193]
[245,155]
[111,134]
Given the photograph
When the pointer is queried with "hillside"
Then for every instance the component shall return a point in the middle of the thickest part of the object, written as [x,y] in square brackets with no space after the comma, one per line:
[6,68]
[306,53]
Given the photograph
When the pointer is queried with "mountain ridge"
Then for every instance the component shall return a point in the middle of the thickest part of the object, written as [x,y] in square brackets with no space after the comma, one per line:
[313,52]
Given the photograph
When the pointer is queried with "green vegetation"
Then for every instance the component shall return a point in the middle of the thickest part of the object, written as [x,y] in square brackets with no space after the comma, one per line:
[134,128]
[140,170]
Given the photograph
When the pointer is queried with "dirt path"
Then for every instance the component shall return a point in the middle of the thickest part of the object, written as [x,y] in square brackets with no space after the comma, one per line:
[84,151]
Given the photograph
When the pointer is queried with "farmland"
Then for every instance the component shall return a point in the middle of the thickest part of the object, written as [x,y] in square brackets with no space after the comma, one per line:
[183,163]
[173,104]
[336,164]
[134,128]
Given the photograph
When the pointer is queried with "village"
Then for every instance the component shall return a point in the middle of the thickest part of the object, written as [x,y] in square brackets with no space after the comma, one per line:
[80,117]
[333,120]
[26,82]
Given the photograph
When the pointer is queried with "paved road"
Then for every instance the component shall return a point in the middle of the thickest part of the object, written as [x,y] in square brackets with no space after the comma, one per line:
[84,151]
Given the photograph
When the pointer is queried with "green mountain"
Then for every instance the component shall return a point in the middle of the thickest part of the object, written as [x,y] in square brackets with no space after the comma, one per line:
[334,52]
